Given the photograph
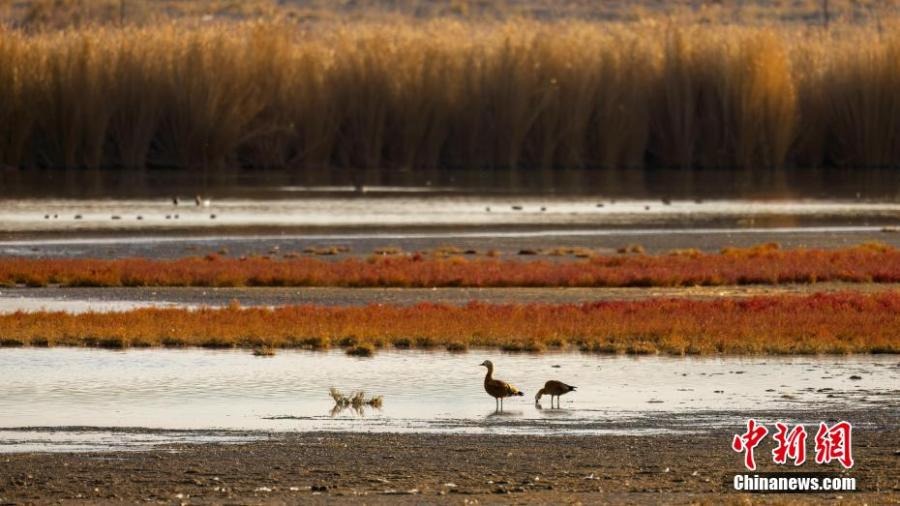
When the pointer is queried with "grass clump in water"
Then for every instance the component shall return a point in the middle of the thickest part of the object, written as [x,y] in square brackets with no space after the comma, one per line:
[356,401]
[264,351]
[361,350]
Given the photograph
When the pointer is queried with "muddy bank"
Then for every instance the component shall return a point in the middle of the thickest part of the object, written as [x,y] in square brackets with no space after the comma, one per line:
[319,468]
[80,299]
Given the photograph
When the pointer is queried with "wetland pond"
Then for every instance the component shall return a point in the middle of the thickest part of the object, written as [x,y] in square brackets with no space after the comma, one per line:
[462,210]
[71,399]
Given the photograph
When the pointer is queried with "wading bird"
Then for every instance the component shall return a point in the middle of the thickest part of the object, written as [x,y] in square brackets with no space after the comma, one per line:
[553,388]
[496,388]
[201,202]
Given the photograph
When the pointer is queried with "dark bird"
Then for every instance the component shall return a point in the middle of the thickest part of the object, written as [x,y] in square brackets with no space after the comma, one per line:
[496,388]
[553,388]
[175,201]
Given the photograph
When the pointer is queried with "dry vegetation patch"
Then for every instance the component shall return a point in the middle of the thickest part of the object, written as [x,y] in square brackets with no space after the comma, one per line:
[765,264]
[444,93]
[818,323]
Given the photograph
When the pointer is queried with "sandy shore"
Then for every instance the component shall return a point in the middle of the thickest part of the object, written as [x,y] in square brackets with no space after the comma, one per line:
[319,468]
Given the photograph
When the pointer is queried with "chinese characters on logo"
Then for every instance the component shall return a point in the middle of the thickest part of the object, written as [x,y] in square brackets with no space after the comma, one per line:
[747,441]
[791,445]
[832,443]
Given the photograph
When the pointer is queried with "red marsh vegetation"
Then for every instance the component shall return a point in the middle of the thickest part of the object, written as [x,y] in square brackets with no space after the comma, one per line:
[845,322]
[764,264]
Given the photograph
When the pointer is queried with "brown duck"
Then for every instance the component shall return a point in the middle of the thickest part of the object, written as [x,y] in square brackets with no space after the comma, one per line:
[496,388]
[553,388]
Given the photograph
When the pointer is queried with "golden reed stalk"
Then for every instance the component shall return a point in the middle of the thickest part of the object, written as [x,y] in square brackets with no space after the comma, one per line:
[447,94]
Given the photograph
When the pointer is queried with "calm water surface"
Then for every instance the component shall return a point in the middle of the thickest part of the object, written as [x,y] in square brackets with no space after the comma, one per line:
[36,215]
[423,391]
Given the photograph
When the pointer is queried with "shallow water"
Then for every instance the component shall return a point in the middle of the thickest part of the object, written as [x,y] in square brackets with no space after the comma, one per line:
[12,304]
[97,299]
[658,182]
[198,389]
[507,241]
[35,215]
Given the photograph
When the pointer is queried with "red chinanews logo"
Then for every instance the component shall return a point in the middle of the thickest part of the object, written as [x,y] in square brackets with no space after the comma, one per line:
[832,443]
[791,445]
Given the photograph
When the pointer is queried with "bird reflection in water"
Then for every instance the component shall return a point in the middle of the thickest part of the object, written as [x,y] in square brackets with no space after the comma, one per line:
[497,414]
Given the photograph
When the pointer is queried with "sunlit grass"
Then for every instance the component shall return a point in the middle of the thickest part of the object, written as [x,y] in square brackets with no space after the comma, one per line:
[820,323]
[444,94]
[765,264]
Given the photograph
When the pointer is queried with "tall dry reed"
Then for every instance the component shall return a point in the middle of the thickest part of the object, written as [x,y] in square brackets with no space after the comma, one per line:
[446,94]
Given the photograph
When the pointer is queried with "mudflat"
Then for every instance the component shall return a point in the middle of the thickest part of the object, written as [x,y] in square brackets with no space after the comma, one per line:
[376,468]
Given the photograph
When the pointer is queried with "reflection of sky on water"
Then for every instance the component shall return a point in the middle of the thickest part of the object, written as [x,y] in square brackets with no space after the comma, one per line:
[423,391]
[34,215]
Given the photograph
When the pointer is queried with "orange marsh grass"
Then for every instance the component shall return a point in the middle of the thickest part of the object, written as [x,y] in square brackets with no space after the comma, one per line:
[764,264]
[442,94]
[819,323]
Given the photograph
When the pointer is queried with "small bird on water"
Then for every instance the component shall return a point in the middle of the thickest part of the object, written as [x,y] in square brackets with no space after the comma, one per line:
[553,388]
[496,388]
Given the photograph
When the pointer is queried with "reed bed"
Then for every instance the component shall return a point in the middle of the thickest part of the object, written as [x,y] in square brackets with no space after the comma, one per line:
[821,323]
[764,264]
[446,94]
